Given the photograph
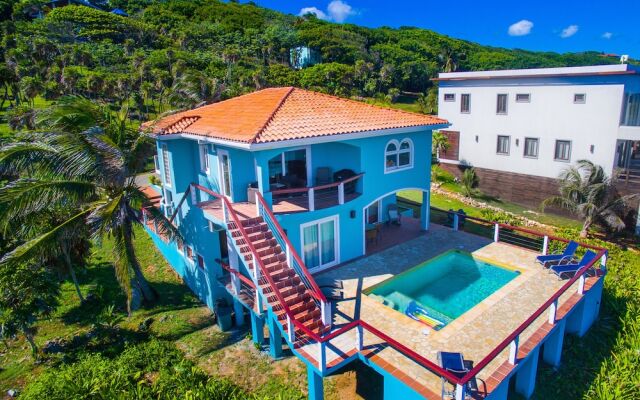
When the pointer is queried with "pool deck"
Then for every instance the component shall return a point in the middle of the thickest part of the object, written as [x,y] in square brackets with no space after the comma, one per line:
[475,333]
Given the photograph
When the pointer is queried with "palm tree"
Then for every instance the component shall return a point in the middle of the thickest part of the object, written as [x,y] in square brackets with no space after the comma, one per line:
[194,88]
[87,175]
[439,143]
[587,191]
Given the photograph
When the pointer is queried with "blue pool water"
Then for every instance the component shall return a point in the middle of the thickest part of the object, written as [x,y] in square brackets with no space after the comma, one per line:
[446,286]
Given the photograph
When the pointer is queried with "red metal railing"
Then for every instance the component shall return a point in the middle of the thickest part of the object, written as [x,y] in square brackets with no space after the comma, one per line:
[319,195]
[409,353]
[290,249]
[243,278]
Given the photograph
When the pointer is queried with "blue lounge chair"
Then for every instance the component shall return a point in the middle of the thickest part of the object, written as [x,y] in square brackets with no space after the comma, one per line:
[458,366]
[572,268]
[565,257]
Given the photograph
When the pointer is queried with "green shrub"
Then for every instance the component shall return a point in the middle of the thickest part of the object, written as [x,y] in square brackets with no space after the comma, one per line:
[154,180]
[469,181]
[154,369]
[439,175]
[500,216]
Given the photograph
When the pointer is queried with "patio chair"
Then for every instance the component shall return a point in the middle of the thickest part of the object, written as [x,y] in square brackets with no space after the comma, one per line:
[555,259]
[323,175]
[458,366]
[394,214]
[571,268]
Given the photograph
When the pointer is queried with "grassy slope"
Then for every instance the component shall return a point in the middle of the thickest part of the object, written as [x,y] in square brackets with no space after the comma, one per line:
[178,316]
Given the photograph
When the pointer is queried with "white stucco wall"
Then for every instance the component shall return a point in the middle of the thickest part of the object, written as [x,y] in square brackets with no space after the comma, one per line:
[551,114]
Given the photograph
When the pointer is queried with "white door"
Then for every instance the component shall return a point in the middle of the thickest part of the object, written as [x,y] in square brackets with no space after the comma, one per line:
[320,246]
[225,173]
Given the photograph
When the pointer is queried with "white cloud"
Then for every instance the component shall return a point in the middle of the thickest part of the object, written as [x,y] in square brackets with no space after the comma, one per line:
[337,11]
[569,31]
[607,35]
[521,28]
[313,10]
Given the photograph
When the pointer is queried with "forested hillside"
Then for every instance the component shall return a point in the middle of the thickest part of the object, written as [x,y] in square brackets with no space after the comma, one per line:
[179,53]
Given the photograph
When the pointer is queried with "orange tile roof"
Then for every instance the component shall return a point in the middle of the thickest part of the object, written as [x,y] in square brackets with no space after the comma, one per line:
[277,114]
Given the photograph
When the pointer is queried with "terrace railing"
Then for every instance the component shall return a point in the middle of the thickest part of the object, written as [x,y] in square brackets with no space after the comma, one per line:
[499,232]
[320,196]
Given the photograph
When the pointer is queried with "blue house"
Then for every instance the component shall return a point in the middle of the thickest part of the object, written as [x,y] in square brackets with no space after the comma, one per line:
[270,188]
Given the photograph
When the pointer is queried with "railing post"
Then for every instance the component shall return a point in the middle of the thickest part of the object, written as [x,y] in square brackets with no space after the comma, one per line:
[603,261]
[496,232]
[455,221]
[460,391]
[194,195]
[325,309]
[224,212]
[545,245]
[258,207]
[312,199]
[322,357]
[288,255]
[513,350]
[553,310]
[359,337]
[291,330]
[256,281]
[341,193]
[144,217]
[581,283]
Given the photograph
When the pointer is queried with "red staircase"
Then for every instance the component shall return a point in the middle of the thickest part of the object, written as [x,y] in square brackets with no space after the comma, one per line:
[298,298]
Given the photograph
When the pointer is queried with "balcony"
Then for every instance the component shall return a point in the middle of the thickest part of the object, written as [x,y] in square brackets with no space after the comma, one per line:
[293,200]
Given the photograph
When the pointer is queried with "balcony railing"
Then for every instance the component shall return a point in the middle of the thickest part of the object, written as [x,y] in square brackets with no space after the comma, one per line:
[316,197]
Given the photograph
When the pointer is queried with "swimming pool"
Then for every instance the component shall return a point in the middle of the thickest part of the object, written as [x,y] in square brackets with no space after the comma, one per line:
[445,286]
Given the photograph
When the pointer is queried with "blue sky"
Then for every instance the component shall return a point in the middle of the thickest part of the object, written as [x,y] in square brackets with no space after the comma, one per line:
[550,25]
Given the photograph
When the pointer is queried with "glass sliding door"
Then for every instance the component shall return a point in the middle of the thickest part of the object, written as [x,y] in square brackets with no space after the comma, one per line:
[372,213]
[320,243]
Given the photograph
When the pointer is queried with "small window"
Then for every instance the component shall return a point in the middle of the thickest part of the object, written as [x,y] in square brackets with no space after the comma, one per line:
[189,252]
[398,156]
[503,144]
[200,261]
[165,165]
[156,163]
[204,157]
[523,98]
[180,246]
[563,150]
[501,107]
[449,97]
[465,103]
[579,98]
[531,147]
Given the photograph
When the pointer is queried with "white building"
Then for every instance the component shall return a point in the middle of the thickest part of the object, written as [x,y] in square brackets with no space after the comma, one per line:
[520,128]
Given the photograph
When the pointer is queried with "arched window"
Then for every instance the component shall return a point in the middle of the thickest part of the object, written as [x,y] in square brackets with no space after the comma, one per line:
[398,155]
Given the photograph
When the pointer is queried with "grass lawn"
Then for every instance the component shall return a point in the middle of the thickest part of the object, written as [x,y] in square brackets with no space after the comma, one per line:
[445,202]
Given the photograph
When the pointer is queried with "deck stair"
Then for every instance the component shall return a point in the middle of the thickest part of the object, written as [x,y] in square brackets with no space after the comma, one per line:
[298,297]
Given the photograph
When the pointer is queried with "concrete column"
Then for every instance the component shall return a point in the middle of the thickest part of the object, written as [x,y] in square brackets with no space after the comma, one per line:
[425,210]
[316,385]
[552,349]
[501,392]
[585,313]
[275,337]
[526,375]
[257,328]
[238,309]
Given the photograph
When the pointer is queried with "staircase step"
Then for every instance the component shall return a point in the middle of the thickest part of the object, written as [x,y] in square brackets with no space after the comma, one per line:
[283,274]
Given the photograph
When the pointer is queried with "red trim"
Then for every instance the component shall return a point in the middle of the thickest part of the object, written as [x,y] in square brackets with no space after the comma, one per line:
[243,278]
[318,293]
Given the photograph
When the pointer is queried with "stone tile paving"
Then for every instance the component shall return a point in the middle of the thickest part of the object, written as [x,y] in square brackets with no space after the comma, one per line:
[475,333]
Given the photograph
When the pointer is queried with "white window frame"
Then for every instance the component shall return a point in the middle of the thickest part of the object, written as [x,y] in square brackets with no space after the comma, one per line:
[452,97]
[197,261]
[468,111]
[506,104]
[166,165]
[203,152]
[336,238]
[584,98]
[527,100]
[508,145]
[366,212]
[156,163]
[524,151]
[221,173]
[396,153]
[555,151]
